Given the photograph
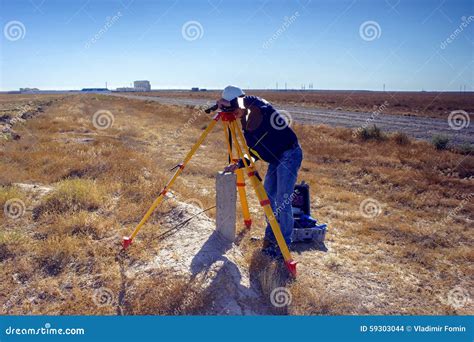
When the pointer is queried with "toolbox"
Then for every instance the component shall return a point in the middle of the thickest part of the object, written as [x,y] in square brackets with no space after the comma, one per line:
[305,228]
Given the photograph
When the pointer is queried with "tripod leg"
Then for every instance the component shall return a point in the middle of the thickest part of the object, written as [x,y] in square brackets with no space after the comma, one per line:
[128,240]
[240,181]
[243,198]
[263,198]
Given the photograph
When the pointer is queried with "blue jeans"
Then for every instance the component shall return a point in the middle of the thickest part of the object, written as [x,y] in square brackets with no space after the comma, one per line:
[279,184]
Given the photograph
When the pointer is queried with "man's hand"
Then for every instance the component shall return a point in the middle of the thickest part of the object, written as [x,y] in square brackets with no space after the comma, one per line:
[222,103]
[231,167]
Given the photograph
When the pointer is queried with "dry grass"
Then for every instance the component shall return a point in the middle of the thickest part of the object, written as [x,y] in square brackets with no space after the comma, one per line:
[429,104]
[175,296]
[71,195]
[10,192]
[62,254]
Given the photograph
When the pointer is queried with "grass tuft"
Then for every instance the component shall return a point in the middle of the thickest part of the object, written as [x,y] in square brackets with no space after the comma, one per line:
[401,138]
[465,148]
[371,133]
[71,195]
[10,192]
[165,294]
[55,253]
[440,142]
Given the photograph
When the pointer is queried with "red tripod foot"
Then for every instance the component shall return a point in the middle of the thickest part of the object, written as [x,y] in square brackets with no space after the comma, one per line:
[248,223]
[126,241]
[291,266]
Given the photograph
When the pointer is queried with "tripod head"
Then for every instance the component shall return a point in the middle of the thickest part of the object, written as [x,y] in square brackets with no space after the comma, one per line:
[225,113]
[229,109]
[211,109]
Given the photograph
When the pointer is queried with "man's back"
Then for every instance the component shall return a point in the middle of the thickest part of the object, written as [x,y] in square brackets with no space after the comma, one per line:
[266,131]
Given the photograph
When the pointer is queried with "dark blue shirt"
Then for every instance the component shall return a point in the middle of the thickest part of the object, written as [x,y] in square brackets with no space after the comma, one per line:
[267,132]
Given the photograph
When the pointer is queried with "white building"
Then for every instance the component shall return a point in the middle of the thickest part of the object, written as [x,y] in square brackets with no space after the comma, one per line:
[126,89]
[142,85]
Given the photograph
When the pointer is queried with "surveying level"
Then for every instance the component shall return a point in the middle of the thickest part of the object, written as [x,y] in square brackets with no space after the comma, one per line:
[306,228]
[234,134]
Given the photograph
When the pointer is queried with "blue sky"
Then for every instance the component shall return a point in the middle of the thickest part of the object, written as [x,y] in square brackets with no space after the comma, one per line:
[66,44]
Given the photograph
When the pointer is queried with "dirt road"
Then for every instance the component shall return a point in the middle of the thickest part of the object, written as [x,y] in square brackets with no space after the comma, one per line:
[416,127]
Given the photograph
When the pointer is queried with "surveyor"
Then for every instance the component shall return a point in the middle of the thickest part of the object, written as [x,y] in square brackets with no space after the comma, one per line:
[270,139]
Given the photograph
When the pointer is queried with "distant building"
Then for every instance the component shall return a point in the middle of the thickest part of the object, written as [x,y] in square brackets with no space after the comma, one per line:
[142,85]
[137,86]
[126,89]
[29,90]
[95,90]
[195,89]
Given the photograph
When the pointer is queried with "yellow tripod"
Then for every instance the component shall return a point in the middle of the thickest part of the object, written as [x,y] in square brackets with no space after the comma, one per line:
[232,133]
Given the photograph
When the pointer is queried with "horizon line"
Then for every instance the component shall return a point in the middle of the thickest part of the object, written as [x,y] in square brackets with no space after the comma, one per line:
[84,90]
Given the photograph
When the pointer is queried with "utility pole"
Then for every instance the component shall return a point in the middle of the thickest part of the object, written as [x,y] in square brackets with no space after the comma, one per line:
[384,87]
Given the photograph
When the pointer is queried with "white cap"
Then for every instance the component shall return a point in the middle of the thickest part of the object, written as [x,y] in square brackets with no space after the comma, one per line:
[231,92]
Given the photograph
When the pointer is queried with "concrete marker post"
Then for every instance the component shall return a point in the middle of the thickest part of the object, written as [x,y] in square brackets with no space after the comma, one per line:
[226,199]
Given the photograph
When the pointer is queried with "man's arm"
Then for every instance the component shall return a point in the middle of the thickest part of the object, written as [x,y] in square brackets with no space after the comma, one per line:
[247,159]
[240,164]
